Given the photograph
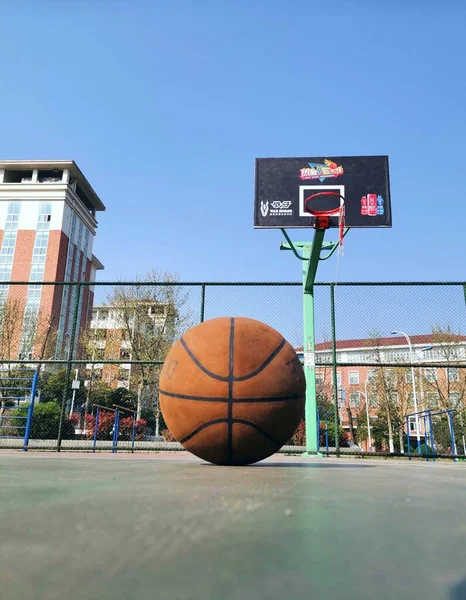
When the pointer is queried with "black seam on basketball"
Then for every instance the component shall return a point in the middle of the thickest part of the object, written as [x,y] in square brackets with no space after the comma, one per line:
[273,399]
[231,378]
[201,427]
[259,429]
[198,398]
[226,399]
[198,363]
[264,364]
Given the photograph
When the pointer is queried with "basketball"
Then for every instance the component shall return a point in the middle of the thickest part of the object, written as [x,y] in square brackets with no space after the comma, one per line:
[232,391]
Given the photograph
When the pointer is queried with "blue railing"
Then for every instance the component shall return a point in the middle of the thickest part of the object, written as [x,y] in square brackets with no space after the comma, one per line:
[17,388]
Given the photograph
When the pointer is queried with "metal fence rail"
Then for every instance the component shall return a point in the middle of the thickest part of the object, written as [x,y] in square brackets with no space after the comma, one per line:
[87,357]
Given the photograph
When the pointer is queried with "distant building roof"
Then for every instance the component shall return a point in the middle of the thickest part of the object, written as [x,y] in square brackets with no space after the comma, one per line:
[89,196]
[416,340]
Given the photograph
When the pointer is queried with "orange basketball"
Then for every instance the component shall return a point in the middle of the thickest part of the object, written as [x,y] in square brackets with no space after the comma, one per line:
[232,391]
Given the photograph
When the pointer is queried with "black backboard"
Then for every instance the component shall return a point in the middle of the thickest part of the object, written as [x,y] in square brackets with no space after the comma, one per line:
[283,184]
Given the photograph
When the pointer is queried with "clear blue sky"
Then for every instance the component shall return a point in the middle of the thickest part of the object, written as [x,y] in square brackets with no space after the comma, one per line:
[164,106]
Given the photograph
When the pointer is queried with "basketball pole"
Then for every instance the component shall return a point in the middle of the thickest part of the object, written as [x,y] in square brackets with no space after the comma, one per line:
[310,255]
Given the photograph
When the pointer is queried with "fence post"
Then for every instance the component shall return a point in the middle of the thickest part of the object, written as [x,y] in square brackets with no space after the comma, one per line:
[334,360]
[203,286]
[31,409]
[431,436]
[326,435]
[318,428]
[69,364]
[133,434]
[426,437]
[408,438]
[452,435]
[96,427]
[116,426]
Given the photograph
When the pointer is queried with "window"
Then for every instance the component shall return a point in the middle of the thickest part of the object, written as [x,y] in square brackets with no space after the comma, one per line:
[34,292]
[97,373]
[409,376]
[320,378]
[157,309]
[372,375]
[50,176]
[373,400]
[454,398]
[342,397]
[99,353]
[411,400]
[394,397]
[430,374]
[390,377]
[8,243]
[12,176]
[339,379]
[80,236]
[453,374]
[355,399]
[123,374]
[353,377]
[431,399]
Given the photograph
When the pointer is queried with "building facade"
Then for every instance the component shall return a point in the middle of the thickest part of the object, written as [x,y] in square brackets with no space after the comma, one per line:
[47,228]
[365,392]
[133,330]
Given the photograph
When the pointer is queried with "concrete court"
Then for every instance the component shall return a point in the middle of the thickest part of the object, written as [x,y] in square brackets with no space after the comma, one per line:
[172,527]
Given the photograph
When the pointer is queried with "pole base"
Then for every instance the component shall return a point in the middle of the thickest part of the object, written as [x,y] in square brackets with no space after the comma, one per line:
[313,454]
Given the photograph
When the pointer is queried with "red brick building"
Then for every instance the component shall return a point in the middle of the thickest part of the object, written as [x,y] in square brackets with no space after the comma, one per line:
[47,228]
[363,390]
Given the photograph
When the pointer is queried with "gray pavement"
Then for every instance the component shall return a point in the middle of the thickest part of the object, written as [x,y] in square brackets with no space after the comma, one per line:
[171,527]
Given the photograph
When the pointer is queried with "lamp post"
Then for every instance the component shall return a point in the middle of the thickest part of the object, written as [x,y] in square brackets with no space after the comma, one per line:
[75,386]
[418,435]
[367,407]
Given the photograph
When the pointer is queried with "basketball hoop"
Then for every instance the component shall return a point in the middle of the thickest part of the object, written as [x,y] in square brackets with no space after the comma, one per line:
[322,217]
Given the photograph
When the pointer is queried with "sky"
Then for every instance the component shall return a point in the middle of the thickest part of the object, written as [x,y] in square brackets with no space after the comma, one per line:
[164,105]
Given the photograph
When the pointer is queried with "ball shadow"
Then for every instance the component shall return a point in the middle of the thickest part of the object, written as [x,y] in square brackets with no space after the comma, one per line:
[294,465]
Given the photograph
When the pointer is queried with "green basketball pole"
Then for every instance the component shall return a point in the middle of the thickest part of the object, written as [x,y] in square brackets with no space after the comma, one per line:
[310,255]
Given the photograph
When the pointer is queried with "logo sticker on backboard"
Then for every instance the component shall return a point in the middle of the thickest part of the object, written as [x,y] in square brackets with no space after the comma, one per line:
[281,208]
[264,208]
[321,171]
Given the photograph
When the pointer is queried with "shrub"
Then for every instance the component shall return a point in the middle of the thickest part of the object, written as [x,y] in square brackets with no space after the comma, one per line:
[46,422]
[105,427]
[299,437]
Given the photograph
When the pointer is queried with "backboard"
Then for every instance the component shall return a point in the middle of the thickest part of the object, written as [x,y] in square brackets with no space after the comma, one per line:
[283,185]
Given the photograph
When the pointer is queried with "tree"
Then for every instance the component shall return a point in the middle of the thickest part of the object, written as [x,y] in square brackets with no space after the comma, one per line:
[52,385]
[155,421]
[447,384]
[150,316]
[24,332]
[104,395]
[385,386]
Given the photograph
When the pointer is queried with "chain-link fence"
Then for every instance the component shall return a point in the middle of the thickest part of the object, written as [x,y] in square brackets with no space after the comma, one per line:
[399,348]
